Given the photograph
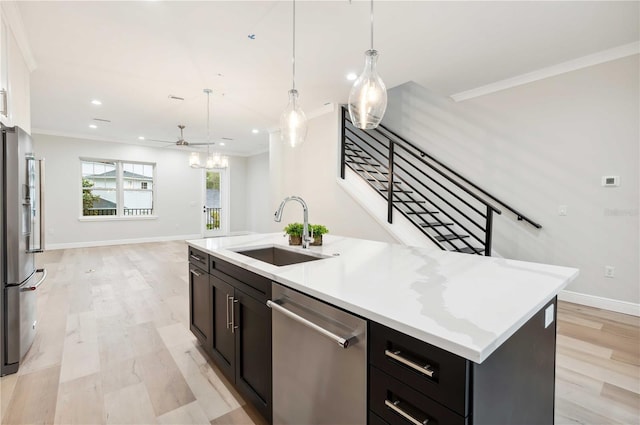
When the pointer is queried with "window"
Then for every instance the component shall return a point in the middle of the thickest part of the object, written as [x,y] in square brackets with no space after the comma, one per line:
[117,188]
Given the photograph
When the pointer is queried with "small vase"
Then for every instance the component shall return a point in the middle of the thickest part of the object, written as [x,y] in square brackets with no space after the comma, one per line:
[317,241]
[295,240]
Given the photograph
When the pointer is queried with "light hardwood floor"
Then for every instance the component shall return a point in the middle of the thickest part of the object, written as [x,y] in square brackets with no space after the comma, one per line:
[114,347]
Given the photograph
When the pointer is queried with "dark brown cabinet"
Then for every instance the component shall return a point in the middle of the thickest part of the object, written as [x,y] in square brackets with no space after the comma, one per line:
[200,304]
[411,381]
[229,316]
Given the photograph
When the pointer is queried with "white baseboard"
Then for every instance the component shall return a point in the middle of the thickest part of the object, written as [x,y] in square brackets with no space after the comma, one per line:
[88,244]
[600,302]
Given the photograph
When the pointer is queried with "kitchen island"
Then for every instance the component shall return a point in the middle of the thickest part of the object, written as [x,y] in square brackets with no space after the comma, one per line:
[491,321]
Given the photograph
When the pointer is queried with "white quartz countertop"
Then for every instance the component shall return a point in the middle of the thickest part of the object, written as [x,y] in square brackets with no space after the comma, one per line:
[465,304]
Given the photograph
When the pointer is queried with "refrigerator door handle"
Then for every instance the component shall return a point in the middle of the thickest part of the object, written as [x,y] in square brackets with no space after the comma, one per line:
[41,208]
[38,283]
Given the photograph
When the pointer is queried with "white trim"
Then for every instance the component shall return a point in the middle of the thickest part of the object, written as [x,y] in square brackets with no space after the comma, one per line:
[146,143]
[13,18]
[89,244]
[551,71]
[101,218]
[625,307]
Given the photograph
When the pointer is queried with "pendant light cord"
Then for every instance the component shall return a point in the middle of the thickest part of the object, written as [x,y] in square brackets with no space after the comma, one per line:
[208,128]
[293,60]
[371,24]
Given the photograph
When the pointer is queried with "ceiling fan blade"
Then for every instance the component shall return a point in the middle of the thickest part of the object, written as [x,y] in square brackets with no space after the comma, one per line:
[201,144]
[160,141]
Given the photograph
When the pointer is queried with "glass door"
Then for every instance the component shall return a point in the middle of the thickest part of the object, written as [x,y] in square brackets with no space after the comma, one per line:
[215,207]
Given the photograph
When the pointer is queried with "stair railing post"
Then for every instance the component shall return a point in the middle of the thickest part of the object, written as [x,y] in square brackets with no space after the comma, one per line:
[487,232]
[390,183]
[343,136]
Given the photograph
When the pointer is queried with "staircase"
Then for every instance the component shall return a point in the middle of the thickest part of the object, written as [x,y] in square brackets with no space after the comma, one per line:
[454,213]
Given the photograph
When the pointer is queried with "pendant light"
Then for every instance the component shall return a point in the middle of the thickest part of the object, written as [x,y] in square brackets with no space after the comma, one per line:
[293,121]
[368,96]
[213,160]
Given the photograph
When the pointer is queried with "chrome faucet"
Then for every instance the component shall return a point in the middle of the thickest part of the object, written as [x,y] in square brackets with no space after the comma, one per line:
[305,229]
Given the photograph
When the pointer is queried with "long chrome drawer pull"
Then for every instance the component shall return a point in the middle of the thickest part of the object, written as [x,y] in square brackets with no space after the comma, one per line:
[342,342]
[233,314]
[38,283]
[395,355]
[227,304]
[195,257]
[195,272]
[4,103]
[394,406]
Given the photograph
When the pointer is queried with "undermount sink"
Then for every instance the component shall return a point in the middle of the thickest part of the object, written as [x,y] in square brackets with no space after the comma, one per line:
[278,256]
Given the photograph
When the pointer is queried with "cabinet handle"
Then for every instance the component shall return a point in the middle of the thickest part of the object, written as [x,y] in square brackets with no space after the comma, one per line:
[4,111]
[395,355]
[228,321]
[195,257]
[393,405]
[233,315]
[342,342]
[195,272]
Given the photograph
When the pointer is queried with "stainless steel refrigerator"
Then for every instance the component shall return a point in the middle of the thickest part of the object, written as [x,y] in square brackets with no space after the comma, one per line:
[21,237]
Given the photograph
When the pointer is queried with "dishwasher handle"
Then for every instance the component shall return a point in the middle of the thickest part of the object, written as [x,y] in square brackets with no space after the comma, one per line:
[342,342]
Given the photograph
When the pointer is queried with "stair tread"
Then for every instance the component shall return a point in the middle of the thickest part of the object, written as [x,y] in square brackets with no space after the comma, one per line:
[383,181]
[371,171]
[422,212]
[384,189]
[450,237]
[350,161]
[409,201]
[434,224]
[469,250]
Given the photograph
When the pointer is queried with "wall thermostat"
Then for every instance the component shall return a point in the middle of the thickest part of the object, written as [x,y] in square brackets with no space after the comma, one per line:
[610,181]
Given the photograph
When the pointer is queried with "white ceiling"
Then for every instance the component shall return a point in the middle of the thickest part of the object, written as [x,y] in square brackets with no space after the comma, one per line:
[132,55]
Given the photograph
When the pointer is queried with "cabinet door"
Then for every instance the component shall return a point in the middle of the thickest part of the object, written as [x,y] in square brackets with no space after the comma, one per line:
[223,340]
[199,304]
[253,351]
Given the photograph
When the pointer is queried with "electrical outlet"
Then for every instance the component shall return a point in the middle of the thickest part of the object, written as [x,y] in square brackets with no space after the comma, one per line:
[562,210]
[609,271]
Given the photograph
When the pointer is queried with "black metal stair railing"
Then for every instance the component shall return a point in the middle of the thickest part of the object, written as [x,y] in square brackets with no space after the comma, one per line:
[444,205]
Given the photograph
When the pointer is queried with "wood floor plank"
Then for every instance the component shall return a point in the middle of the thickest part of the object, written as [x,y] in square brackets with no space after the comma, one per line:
[34,398]
[81,401]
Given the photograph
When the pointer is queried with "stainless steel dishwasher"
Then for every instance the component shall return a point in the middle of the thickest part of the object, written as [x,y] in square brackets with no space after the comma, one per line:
[319,361]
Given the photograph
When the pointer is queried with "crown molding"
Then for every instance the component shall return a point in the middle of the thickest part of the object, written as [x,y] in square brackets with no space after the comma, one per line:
[145,143]
[551,71]
[13,19]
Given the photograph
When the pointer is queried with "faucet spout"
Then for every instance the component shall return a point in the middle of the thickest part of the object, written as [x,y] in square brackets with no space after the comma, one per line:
[305,214]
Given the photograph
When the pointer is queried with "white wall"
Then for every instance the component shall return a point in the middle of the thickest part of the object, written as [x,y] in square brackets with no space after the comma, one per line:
[259,214]
[237,193]
[310,172]
[542,145]
[178,195]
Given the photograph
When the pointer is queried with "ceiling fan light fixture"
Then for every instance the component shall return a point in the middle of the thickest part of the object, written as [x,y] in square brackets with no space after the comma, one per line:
[194,160]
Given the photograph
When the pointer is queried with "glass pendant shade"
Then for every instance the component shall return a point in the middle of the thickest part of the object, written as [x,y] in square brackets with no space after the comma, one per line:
[293,122]
[368,96]
[194,160]
[210,162]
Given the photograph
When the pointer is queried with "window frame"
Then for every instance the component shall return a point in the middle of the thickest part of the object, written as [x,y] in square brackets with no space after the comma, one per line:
[120,189]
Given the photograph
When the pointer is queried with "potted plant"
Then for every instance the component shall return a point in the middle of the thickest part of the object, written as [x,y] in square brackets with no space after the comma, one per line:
[316,231]
[294,230]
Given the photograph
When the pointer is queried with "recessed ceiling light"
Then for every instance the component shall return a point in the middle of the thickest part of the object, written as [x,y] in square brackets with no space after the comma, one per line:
[96,102]
[352,76]
[93,126]
[221,143]
[140,137]
[255,131]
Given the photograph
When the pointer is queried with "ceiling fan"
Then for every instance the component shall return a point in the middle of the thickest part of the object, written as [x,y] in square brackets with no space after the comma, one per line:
[181,141]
